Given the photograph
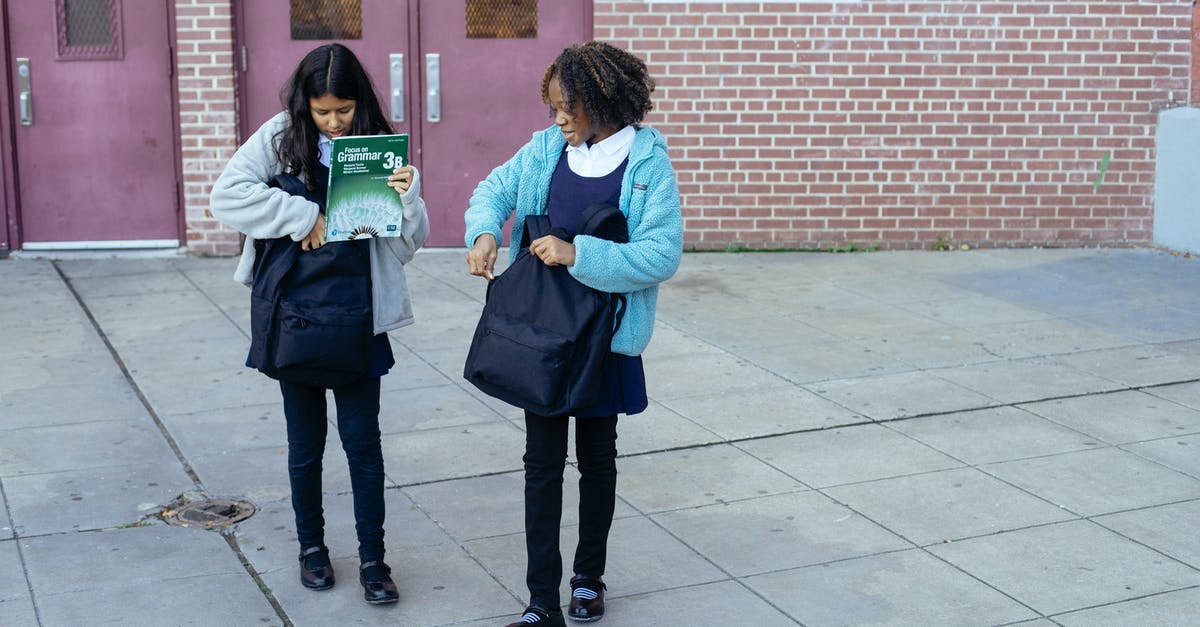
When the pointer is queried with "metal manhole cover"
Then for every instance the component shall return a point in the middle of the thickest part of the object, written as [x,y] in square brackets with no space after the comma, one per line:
[210,513]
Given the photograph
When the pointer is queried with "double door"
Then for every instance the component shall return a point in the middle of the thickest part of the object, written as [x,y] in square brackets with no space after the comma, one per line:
[93,119]
[461,77]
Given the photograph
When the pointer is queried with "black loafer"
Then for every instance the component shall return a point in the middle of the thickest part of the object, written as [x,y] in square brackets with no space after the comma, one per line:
[539,617]
[587,599]
[378,587]
[316,571]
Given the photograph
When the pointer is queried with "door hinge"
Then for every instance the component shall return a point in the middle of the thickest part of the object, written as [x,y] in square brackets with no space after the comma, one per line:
[243,59]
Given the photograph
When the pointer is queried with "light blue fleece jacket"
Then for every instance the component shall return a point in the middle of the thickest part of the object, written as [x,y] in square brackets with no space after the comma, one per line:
[649,199]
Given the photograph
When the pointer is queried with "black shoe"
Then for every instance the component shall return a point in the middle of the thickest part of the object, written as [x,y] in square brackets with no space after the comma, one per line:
[378,588]
[540,617]
[316,572]
[587,599]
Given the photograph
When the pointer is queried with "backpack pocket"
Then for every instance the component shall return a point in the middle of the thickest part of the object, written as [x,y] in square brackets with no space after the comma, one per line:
[325,338]
[527,363]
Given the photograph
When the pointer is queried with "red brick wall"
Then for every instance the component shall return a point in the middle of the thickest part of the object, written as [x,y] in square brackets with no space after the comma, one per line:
[208,125]
[907,124]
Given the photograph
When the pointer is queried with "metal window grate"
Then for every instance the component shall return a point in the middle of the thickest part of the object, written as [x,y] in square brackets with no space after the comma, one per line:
[502,19]
[88,29]
[326,19]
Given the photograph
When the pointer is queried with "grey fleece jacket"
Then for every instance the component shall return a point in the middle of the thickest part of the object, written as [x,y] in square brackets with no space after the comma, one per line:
[242,200]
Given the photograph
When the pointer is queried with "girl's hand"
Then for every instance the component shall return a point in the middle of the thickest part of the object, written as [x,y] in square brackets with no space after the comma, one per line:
[401,179]
[553,251]
[481,259]
[316,237]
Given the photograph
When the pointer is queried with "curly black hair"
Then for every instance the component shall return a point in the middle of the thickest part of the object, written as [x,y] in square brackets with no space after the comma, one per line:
[612,84]
[328,69]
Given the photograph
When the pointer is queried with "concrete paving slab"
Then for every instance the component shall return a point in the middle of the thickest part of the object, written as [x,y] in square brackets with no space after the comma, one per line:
[719,603]
[1160,528]
[432,408]
[1178,453]
[18,611]
[80,269]
[841,359]
[941,346]
[1152,324]
[658,428]
[268,538]
[230,599]
[847,455]
[212,325]
[757,413]
[899,588]
[746,335]
[1120,417]
[971,310]
[1008,381]
[217,431]
[1103,481]
[1184,393]
[641,558]
[27,372]
[432,582]
[704,374]
[701,476]
[1067,566]
[261,475]
[70,404]
[1134,366]
[900,395]
[6,526]
[101,284]
[453,452]
[1037,338]
[222,387]
[62,339]
[121,558]
[99,444]
[147,360]
[947,505]
[861,315]
[414,371]
[994,434]
[1168,608]
[778,532]
[95,498]
[13,585]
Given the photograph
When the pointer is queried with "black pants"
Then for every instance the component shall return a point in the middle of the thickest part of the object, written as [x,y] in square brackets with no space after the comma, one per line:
[358,426]
[545,459]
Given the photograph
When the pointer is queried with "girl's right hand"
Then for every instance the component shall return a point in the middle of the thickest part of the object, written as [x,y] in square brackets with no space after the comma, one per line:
[316,237]
[481,259]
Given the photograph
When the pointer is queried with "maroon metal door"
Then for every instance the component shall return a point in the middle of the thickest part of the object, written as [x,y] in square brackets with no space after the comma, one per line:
[483,104]
[94,131]
[482,101]
[273,41]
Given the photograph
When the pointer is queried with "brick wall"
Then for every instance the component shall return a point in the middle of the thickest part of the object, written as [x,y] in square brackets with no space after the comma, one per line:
[207,119]
[904,124]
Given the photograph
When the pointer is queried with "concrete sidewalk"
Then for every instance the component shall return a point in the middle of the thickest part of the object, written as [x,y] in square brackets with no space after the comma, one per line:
[909,438]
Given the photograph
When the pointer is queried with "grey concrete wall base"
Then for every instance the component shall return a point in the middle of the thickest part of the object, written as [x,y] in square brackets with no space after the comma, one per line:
[1177,180]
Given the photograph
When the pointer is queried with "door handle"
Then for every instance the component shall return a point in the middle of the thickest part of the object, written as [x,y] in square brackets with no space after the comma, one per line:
[433,87]
[25,91]
[397,73]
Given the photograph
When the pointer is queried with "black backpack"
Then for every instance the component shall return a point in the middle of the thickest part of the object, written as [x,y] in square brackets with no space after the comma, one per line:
[310,311]
[543,339]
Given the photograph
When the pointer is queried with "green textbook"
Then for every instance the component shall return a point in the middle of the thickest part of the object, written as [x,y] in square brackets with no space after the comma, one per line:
[359,202]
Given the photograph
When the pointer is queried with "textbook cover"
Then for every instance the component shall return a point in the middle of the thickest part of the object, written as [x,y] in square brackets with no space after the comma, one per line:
[359,202]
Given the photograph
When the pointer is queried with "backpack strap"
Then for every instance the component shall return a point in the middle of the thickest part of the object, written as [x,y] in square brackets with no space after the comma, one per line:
[536,225]
[604,221]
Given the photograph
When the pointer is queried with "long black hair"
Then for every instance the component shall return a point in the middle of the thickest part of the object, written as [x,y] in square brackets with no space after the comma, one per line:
[612,84]
[328,69]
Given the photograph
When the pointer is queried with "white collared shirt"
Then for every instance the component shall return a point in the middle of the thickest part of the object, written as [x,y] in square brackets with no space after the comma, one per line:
[602,157]
[324,149]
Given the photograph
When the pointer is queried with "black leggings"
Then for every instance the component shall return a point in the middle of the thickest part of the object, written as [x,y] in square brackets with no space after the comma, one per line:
[545,459]
[358,427]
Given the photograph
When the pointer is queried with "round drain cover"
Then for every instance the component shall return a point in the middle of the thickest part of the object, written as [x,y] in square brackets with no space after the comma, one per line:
[211,513]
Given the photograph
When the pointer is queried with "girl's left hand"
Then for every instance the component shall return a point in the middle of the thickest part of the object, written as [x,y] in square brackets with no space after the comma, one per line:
[401,179]
[553,251]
